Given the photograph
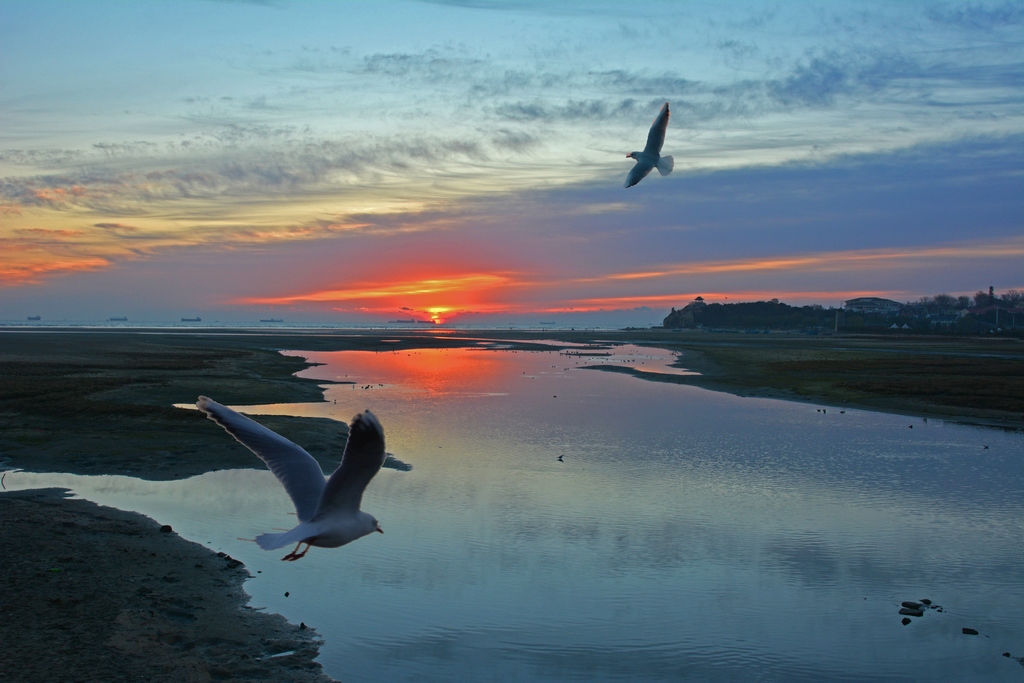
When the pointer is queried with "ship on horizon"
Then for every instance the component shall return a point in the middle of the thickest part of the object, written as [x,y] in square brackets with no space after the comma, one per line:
[122,319]
[271,320]
[35,317]
[196,319]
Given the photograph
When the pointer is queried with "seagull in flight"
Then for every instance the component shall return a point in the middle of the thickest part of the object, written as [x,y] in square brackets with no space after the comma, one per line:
[651,156]
[328,509]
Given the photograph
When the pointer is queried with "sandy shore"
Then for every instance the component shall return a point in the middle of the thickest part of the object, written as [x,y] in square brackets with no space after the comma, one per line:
[95,594]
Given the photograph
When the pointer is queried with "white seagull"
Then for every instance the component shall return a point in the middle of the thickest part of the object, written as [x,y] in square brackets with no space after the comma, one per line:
[328,509]
[651,156]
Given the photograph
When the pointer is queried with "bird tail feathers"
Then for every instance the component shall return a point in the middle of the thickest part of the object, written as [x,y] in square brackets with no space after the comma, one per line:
[275,541]
[665,165]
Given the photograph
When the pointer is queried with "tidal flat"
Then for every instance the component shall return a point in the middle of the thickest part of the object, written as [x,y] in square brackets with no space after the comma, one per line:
[100,403]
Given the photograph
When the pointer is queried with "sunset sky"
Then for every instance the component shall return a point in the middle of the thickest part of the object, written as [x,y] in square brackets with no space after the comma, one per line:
[320,161]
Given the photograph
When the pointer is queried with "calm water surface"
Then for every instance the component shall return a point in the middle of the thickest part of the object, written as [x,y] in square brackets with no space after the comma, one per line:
[688,535]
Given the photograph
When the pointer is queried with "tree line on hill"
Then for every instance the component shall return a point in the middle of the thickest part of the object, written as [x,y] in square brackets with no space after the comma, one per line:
[939,303]
[984,312]
[750,315]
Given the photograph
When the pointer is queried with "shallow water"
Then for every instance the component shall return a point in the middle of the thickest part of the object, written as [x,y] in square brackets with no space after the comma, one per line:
[687,534]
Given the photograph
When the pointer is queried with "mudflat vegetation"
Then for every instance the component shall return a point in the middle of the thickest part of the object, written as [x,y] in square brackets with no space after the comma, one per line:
[94,403]
[973,380]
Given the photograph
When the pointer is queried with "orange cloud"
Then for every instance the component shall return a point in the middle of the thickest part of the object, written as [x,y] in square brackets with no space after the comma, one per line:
[33,272]
[48,233]
[825,261]
[57,196]
[396,290]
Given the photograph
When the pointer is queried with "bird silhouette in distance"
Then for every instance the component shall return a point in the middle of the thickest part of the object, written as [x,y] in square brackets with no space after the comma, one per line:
[651,156]
[328,509]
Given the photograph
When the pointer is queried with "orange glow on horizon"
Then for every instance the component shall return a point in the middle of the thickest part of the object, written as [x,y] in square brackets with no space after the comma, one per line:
[418,288]
[446,297]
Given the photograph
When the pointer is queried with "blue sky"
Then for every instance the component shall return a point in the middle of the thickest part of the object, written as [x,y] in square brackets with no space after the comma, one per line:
[464,160]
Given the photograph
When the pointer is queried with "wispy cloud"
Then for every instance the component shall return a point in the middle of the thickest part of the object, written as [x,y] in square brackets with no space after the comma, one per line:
[432,287]
[20,266]
[860,260]
[976,15]
[368,138]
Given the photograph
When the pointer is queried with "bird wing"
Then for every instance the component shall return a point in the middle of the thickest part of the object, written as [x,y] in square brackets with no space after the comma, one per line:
[656,138]
[638,172]
[364,454]
[296,469]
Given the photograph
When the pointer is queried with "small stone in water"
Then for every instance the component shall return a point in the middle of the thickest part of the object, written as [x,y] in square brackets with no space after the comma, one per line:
[911,612]
[906,620]
[968,631]
[1006,654]
[926,601]
[166,528]
[910,604]
[286,594]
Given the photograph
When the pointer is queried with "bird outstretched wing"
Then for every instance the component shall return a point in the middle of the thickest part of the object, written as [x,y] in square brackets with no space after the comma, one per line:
[364,454]
[638,172]
[296,469]
[656,138]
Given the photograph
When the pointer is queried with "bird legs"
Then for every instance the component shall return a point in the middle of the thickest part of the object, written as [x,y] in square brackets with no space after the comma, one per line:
[295,554]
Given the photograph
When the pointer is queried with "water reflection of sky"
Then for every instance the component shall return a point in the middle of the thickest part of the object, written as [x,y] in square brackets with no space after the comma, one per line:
[687,534]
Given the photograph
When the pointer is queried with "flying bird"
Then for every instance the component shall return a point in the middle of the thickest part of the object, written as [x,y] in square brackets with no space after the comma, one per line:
[328,509]
[651,156]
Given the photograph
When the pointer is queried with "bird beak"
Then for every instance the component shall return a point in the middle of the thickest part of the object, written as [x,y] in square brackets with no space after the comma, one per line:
[380,530]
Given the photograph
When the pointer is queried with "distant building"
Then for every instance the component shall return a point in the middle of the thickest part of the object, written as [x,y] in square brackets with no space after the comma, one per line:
[872,305]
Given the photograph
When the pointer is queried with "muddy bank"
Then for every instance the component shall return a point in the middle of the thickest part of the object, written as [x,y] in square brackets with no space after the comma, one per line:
[90,593]
[972,381]
[90,403]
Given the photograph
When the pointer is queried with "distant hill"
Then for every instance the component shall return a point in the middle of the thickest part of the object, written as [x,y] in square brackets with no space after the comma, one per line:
[759,315]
